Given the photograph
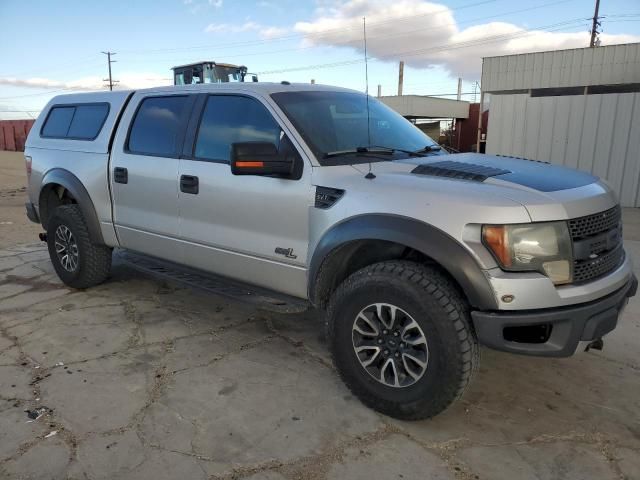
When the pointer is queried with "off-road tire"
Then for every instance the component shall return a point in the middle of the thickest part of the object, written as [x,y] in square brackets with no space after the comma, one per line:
[436,304]
[94,261]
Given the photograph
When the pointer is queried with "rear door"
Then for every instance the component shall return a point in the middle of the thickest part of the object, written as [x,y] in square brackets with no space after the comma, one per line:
[253,228]
[144,173]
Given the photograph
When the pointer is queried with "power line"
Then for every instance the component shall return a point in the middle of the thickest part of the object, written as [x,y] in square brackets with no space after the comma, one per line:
[440,48]
[355,41]
[342,30]
[312,34]
[347,43]
[58,67]
[36,94]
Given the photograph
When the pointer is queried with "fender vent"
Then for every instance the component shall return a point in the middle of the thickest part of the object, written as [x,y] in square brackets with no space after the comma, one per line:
[459,170]
[326,197]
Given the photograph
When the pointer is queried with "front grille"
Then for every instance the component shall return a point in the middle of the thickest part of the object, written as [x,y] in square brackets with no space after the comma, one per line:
[591,269]
[594,224]
[600,235]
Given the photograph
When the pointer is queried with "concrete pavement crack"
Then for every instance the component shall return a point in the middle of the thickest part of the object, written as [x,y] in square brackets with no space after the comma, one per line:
[298,344]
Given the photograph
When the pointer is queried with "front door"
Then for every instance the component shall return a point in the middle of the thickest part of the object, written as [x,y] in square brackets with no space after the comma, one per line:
[251,228]
[144,175]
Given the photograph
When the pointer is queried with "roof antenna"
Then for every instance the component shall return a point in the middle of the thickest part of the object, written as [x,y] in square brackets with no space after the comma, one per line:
[369,175]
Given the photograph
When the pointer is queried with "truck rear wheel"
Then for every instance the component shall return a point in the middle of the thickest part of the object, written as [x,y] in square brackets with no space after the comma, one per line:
[401,339]
[78,262]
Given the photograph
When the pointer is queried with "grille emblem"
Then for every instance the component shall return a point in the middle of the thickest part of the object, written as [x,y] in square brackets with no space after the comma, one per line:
[593,256]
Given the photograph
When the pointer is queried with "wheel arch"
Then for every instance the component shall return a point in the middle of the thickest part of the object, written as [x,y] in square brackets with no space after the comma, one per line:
[359,241]
[60,186]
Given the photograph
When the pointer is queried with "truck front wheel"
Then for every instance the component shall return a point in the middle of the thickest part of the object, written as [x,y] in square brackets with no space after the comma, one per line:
[401,339]
[77,261]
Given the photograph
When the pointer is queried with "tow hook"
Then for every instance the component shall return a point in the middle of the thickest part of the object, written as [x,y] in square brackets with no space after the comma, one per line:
[43,236]
[597,344]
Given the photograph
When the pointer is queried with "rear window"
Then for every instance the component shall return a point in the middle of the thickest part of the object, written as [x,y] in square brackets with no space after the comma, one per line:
[75,122]
[157,125]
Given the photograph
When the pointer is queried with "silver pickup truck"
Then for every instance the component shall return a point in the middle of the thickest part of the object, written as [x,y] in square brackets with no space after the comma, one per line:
[319,193]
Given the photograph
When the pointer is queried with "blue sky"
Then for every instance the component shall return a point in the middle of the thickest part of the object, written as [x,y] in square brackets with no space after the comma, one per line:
[52,46]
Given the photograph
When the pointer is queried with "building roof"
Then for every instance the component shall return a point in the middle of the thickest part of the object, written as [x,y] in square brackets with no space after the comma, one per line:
[421,106]
[219,64]
[609,65]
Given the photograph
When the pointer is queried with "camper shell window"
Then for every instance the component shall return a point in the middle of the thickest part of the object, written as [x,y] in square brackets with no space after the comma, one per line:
[82,121]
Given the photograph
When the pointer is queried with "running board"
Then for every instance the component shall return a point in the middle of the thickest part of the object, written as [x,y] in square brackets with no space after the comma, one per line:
[208,282]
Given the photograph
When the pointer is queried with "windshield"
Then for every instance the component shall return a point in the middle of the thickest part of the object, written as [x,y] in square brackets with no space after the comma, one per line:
[337,121]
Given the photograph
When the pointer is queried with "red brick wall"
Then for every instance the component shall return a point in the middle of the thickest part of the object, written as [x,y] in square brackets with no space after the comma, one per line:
[467,129]
[13,134]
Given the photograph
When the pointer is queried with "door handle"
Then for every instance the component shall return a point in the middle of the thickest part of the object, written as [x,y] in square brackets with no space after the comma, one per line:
[189,184]
[120,175]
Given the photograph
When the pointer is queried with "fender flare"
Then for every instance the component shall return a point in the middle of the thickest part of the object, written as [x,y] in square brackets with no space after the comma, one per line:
[430,241]
[68,180]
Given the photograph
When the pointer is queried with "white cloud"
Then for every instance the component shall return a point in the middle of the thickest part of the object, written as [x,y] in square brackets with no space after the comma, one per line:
[127,80]
[272,32]
[217,27]
[248,26]
[215,3]
[425,34]
[231,27]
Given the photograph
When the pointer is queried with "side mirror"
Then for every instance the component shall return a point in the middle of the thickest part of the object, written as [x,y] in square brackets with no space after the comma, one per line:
[259,158]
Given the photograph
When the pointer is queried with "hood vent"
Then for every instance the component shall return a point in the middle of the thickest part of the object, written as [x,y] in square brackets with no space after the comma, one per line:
[326,197]
[459,170]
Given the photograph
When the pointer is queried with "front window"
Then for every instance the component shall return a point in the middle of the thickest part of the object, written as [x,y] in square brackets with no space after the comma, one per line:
[337,121]
[221,74]
[228,119]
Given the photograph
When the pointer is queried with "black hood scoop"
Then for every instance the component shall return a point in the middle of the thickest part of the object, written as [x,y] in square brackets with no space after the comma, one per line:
[459,170]
[477,167]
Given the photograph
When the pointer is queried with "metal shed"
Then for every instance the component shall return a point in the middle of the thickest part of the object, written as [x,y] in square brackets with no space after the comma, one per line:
[579,108]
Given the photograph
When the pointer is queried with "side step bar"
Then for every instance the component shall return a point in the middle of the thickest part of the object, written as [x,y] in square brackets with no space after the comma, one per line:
[208,282]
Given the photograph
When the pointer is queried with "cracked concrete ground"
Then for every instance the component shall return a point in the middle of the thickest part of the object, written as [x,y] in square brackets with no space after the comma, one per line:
[143,379]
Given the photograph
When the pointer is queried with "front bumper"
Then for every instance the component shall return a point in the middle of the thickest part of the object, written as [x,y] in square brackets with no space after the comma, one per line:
[566,326]
[32,213]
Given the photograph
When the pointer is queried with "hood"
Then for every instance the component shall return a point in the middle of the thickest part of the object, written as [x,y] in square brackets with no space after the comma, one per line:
[547,192]
[532,174]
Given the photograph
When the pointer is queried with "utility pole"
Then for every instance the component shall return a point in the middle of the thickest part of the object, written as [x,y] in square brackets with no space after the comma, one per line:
[379,90]
[400,77]
[459,88]
[595,41]
[111,81]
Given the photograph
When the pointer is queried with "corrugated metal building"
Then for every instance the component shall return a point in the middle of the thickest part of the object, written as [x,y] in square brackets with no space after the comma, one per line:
[579,108]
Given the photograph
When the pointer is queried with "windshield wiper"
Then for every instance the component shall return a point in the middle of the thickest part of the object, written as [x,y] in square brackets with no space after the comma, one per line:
[427,149]
[360,150]
[414,153]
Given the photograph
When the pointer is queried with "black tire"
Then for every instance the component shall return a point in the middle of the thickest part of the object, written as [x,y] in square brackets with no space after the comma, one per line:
[93,262]
[435,303]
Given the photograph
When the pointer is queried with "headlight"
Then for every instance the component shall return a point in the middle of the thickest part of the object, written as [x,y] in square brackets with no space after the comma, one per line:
[533,247]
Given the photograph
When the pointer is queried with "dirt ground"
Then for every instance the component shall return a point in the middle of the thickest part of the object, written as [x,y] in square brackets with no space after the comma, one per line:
[143,379]
[15,228]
